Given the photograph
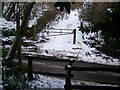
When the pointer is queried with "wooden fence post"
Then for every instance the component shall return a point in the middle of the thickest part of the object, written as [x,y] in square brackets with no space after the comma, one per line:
[70,68]
[68,75]
[74,37]
[71,62]
[34,33]
[30,76]
[60,31]
[48,32]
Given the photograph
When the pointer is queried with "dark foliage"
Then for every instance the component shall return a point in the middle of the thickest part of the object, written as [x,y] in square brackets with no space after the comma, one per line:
[110,27]
[12,78]
[110,22]
[64,5]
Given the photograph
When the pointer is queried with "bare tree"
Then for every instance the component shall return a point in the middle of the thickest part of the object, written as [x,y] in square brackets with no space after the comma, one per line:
[21,28]
[94,10]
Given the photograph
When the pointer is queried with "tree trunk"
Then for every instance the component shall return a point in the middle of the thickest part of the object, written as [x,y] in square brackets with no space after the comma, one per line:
[34,33]
[19,39]
[2,6]
[23,27]
[0,9]
[25,19]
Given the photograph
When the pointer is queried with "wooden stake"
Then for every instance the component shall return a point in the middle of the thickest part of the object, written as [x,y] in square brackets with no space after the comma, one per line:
[74,37]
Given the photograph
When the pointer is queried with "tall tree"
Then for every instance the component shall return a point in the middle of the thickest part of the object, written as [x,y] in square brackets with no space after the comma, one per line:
[23,28]
[0,9]
[94,10]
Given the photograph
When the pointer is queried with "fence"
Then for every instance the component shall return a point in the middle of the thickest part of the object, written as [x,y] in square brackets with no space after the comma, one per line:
[31,59]
[57,32]
[69,68]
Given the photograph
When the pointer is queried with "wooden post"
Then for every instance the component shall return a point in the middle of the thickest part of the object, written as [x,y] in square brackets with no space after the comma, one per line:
[34,32]
[30,76]
[48,32]
[74,37]
[71,62]
[68,77]
[81,25]
[60,31]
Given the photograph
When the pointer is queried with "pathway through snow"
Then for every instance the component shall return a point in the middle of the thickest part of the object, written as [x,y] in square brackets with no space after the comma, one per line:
[63,46]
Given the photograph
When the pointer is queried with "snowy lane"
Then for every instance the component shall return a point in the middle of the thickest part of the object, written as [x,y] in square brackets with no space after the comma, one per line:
[62,46]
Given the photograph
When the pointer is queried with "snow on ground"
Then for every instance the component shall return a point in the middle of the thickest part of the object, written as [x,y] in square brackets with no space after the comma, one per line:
[47,82]
[6,24]
[54,82]
[63,46]
[69,21]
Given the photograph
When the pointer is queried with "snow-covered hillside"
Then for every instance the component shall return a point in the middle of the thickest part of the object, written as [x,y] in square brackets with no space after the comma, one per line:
[62,46]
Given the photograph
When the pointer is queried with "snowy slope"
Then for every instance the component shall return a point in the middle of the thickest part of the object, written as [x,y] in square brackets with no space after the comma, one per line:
[62,46]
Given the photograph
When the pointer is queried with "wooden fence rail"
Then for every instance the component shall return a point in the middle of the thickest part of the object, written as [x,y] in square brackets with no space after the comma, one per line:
[58,32]
[31,58]
[94,87]
[108,69]
[69,68]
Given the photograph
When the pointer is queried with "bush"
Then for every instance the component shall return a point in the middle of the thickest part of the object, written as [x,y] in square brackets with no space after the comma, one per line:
[110,27]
